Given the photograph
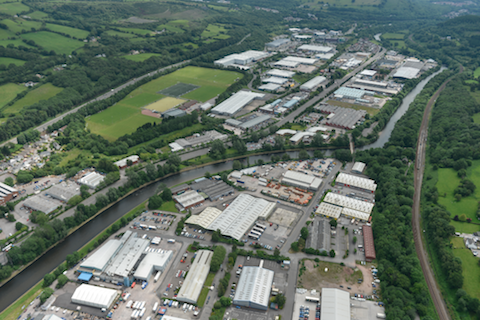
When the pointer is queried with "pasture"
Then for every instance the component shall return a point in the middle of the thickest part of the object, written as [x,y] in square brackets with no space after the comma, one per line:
[136,31]
[77,33]
[141,57]
[476,74]
[471,271]
[125,116]
[17,25]
[120,34]
[43,92]
[215,31]
[8,92]
[476,118]
[52,41]
[165,104]
[16,43]
[8,61]
[38,15]
[13,8]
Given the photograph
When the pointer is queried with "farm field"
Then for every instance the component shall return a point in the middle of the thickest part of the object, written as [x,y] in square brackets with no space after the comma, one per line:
[5,34]
[77,33]
[17,25]
[52,41]
[476,74]
[8,61]
[141,57]
[120,34]
[16,43]
[38,15]
[8,92]
[471,271]
[125,117]
[214,31]
[171,27]
[136,30]
[165,104]
[471,81]
[43,92]
[476,118]
[13,8]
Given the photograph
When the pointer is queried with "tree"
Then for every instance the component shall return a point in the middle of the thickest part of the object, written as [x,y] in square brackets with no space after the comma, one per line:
[237,165]
[286,157]
[354,239]
[343,155]
[174,160]
[318,154]
[294,246]
[225,301]
[303,155]
[46,294]
[279,143]
[216,236]
[217,258]
[72,259]
[260,162]
[9,181]
[276,252]
[239,145]
[280,300]
[462,218]
[304,233]
[154,202]
[333,223]
[61,281]
[48,279]
[75,200]
[167,195]
[332,253]
[217,149]
[84,191]
[18,226]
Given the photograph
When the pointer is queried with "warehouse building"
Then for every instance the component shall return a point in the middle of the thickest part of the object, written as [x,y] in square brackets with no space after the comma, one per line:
[368,73]
[152,262]
[314,48]
[284,132]
[350,93]
[277,45]
[193,285]
[213,189]
[189,199]
[63,191]
[255,123]
[272,87]
[99,260]
[363,184]
[300,60]
[347,202]
[241,59]
[368,243]
[358,167]
[122,164]
[344,118]
[313,83]
[298,137]
[291,103]
[280,73]
[205,218]
[91,180]
[174,113]
[301,180]
[236,102]
[254,287]
[335,304]
[329,210]
[39,203]
[275,80]
[287,64]
[93,296]
[197,139]
[406,73]
[7,193]
[180,189]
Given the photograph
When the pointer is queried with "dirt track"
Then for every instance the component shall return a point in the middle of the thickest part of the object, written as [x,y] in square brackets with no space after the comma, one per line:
[435,293]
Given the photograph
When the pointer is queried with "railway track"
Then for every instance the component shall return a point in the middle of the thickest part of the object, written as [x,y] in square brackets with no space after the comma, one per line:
[422,254]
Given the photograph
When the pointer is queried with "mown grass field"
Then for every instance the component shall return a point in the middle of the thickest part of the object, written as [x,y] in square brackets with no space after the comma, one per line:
[52,41]
[16,43]
[471,270]
[13,8]
[168,206]
[43,92]
[141,57]
[8,92]
[397,36]
[125,117]
[471,81]
[8,61]
[165,104]
[17,25]
[476,74]
[77,33]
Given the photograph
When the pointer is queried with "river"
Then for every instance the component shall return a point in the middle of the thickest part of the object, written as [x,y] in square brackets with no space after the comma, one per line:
[17,286]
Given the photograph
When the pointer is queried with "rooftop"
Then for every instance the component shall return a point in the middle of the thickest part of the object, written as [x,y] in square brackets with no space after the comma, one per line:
[280,73]
[277,43]
[311,84]
[255,121]
[254,286]
[205,218]
[152,261]
[335,304]
[270,87]
[193,285]
[100,258]
[309,47]
[188,198]
[406,73]
[275,80]
[362,183]
[236,102]
[348,202]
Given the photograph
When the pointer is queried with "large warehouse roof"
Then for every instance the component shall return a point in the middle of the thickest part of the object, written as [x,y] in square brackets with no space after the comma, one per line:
[152,261]
[128,256]
[63,191]
[288,64]
[255,121]
[335,304]
[350,93]
[309,47]
[311,84]
[205,218]
[302,180]
[101,257]
[354,181]
[242,58]
[406,73]
[94,296]
[277,43]
[368,243]
[300,60]
[280,73]
[270,87]
[92,180]
[196,277]
[329,210]
[350,213]
[254,287]
[189,198]
[236,102]
[241,215]
[347,202]
[276,80]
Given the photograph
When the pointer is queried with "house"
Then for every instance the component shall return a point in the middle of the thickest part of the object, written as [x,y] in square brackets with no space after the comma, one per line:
[471,244]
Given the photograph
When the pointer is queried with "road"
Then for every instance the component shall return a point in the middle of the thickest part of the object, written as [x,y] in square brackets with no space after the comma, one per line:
[329,90]
[104,96]
[422,254]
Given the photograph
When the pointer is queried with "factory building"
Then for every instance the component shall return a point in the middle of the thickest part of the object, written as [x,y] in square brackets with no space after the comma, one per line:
[91,180]
[7,193]
[94,296]
[314,48]
[275,80]
[368,243]
[236,102]
[197,139]
[329,210]
[313,83]
[406,73]
[241,59]
[63,191]
[174,113]
[39,203]
[290,103]
[272,87]
[152,262]
[358,167]
[255,123]
[277,45]
[350,93]
[368,73]
[358,209]
[344,118]
[301,180]
[280,73]
[122,164]
[363,184]
[189,199]
[254,287]
[205,218]
[300,60]
[335,304]
[193,285]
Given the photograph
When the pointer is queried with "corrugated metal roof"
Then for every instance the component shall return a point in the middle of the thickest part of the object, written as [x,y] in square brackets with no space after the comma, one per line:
[335,304]
[99,259]
[368,243]
[94,296]
[236,102]
[191,288]
[254,286]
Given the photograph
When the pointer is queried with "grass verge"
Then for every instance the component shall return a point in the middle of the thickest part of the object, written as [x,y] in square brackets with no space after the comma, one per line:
[15,309]
[205,290]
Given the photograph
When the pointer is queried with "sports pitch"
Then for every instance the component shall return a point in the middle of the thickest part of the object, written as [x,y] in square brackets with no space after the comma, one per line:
[165,104]
[125,116]
[178,89]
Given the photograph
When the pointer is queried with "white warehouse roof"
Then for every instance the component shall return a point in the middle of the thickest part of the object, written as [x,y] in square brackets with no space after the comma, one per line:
[128,256]
[369,73]
[270,87]
[123,162]
[101,257]
[335,304]
[152,261]
[241,214]
[205,218]
[301,180]
[241,58]
[288,64]
[280,73]
[300,60]
[189,198]
[362,183]
[92,180]
[355,214]
[196,277]
[406,73]
[254,287]
[311,84]
[329,210]
[347,202]
[93,296]
[310,47]
[282,132]
[236,102]
[358,167]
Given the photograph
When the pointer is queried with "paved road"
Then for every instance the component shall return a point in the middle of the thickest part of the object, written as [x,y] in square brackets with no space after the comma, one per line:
[422,254]
[329,90]
[104,96]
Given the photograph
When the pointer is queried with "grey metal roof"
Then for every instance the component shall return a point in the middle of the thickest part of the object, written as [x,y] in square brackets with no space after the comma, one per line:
[277,43]
[254,286]
[256,121]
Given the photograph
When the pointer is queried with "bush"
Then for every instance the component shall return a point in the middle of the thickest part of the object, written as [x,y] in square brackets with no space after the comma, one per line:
[18,226]
[46,294]
[154,202]
[332,253]
[61,281]
[48,279]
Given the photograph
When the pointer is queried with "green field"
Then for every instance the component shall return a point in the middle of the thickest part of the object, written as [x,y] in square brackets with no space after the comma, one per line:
[16,43]
[342,3]
[471,270]
[390,36]
[471,81]
[476,118]
[165,104]
[38,15]
[215,31]
[8,92]
[136,30]
[141,57]
[13,8]
[168,206]
[77,33]
[17,25]
[5,34]
[125,117]
[52,41]
[8,61]
[43,92]
[120,34]
[476,74]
